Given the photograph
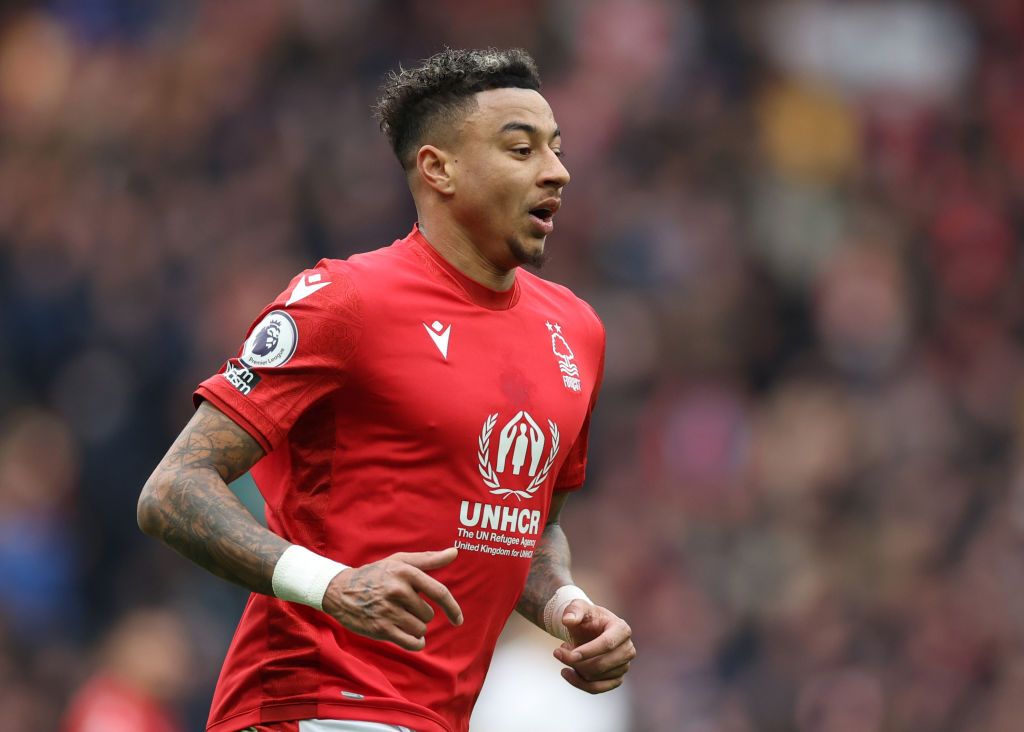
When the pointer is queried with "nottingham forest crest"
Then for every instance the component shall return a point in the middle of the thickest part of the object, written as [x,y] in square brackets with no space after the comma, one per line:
[519,467]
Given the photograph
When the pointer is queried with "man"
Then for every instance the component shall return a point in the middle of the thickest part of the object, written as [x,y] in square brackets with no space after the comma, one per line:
[143,666]
[373,424]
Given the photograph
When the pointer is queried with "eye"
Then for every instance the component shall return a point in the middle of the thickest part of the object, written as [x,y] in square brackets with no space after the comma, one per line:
[524,151]
[558,152]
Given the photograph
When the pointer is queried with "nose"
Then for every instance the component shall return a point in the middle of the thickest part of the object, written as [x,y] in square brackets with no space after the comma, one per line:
[555,173]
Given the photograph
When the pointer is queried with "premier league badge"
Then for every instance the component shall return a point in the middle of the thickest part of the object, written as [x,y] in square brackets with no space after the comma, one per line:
[272,342]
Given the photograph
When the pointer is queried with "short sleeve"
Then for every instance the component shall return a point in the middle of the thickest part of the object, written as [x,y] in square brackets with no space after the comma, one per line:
[297,352]
[574,469]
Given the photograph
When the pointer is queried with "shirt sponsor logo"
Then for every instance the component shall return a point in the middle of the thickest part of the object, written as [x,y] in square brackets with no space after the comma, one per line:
[560,347]
[519,468]
[240,376]
[498,530]
[272,342]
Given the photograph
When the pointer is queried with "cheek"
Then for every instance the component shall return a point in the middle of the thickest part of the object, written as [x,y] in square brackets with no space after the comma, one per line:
[491,187]
[493,192]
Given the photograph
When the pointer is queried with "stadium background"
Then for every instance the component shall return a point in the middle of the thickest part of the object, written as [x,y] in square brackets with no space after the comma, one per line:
[800,223]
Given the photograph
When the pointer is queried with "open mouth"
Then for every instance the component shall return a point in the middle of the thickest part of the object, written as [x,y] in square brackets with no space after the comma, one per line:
[542,214]
[541,218]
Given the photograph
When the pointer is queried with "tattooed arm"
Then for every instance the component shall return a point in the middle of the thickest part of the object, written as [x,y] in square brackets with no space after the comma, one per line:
[602,647]
[187,504]
[549,568]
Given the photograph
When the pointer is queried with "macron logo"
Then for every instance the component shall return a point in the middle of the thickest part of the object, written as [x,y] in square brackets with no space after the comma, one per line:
[306,286]
[439,335]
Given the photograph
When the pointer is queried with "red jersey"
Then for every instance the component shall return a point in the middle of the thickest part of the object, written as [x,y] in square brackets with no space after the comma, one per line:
[403,407]
[107,705]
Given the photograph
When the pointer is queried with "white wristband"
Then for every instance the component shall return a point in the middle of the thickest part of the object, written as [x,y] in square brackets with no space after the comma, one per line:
[302,576]
[555,608]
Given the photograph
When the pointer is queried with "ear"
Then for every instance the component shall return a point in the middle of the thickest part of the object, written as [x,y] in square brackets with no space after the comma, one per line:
[434,167]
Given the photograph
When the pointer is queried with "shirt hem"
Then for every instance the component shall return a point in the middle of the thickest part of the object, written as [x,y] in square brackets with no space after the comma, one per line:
[356,712]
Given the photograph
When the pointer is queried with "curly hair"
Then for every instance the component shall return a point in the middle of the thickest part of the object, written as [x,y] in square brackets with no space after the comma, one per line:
[440,90]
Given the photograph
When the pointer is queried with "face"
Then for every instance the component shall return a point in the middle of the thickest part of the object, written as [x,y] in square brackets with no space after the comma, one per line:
[507,176]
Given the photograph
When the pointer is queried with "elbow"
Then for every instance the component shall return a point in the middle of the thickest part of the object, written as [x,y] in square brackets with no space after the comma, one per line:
[148,512]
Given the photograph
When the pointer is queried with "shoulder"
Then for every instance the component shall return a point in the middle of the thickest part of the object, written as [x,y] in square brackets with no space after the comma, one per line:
[380,272]
[370,263]
[564,301]
[341,286]
[326,288]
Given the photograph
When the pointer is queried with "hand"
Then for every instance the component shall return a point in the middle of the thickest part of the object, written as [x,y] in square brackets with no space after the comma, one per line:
[601,648]
[382,600]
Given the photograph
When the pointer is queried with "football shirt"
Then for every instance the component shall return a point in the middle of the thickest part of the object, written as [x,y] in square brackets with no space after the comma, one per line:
[403,407]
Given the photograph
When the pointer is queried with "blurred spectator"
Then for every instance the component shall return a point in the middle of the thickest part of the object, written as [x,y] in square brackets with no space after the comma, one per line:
[38,469]
[143,668]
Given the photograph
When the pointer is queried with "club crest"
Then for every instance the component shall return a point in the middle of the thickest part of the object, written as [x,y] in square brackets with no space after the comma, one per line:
[563,351]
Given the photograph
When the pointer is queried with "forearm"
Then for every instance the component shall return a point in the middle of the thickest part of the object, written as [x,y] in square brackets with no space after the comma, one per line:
[549,570]
[196,514]
[187,504]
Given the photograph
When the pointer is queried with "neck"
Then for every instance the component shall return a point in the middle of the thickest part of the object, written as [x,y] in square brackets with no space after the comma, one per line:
[459,250]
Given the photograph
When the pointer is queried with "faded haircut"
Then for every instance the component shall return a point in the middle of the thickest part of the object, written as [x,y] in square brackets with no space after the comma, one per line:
[417,102]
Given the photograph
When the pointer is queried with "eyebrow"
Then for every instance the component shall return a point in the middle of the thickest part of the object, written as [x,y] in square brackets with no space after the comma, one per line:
[527,128]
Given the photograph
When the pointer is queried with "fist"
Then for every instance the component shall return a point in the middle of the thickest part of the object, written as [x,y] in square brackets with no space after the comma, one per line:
[601,648]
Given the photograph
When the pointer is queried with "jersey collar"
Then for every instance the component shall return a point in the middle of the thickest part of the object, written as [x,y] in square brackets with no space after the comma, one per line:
[477,293]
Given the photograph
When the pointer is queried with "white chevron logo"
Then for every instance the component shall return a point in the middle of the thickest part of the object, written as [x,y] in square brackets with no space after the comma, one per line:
[439,335]
[305,287]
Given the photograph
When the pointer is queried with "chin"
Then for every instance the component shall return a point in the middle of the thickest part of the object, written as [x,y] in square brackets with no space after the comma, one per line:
[531,253]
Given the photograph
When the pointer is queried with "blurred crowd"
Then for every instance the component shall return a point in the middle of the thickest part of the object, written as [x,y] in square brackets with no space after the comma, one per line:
[800,222]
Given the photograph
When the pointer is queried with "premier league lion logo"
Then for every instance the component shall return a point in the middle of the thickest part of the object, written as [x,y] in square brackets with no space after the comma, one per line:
[267,338]
[272,342]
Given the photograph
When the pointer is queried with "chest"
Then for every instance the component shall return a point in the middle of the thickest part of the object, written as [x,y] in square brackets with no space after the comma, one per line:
[454,377]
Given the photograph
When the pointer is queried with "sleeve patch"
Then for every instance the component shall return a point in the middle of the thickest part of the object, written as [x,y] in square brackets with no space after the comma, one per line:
[272,342]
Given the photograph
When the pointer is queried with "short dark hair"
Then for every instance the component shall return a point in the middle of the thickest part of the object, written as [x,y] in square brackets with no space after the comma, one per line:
[441,88]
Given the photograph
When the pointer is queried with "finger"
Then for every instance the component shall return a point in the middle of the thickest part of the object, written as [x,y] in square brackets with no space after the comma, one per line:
[599,665]
[586,621]
[597,674]
[438,593]
[576,613]
[400,638]
[410,624]
[416,605]
[591,687]
[428,560]
[613,636]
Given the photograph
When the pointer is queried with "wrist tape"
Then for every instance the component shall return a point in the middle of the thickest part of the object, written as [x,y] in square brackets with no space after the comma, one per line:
[555,608]
[302,576]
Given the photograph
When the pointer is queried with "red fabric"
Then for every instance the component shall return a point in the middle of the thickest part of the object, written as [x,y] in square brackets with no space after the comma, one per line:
[107,705]
[377,443]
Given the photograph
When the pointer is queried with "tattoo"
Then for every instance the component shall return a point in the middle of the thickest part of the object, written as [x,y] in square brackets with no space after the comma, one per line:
[187,504]
[549,569]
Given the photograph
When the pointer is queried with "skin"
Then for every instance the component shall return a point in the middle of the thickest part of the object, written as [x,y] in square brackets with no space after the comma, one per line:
[473,192]
[186,503]
[602,643]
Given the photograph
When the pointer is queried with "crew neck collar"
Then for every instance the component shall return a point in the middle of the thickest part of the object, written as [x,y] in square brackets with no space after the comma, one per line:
[479,294]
